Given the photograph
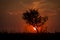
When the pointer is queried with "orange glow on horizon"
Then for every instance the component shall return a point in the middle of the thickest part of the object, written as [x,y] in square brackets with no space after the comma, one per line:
[31,29]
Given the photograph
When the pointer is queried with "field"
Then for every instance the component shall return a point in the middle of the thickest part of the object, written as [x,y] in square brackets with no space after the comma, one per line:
[28,36]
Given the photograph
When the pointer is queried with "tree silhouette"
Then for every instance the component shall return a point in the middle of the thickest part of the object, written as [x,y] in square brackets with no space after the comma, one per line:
[32,17]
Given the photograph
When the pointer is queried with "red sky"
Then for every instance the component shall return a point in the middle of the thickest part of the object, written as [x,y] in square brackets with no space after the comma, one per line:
[11,14]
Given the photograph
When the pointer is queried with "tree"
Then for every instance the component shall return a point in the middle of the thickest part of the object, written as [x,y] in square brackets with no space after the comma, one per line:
[32,17]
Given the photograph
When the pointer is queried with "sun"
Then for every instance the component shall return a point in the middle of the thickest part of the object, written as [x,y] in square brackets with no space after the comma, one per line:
[34,28]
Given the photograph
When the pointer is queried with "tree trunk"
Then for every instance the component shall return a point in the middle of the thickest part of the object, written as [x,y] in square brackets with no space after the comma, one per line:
[37,30]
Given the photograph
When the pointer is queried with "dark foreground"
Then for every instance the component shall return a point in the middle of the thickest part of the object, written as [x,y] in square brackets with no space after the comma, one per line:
[28,36]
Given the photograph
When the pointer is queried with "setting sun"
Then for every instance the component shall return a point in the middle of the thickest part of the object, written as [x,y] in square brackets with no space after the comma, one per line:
[34,28]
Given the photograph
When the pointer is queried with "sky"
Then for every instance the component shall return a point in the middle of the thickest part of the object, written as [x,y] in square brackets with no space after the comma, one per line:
[11,14]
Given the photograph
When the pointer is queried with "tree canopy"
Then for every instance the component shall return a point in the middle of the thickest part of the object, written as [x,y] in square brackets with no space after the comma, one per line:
[32,17]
